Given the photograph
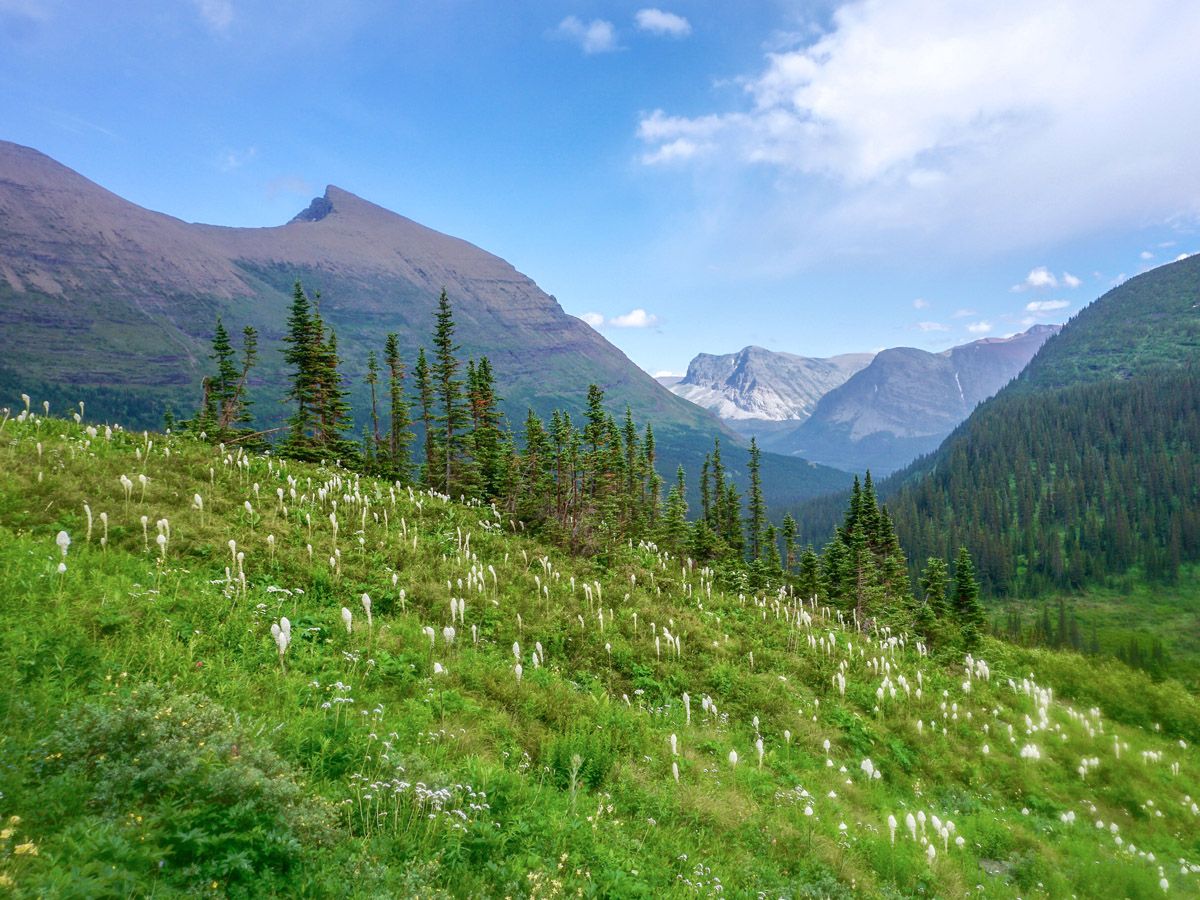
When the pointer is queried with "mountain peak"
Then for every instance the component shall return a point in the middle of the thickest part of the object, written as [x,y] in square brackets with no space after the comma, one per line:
[315,211]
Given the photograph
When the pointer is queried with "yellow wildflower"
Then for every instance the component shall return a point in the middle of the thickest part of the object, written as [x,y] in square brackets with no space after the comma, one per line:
[29,848]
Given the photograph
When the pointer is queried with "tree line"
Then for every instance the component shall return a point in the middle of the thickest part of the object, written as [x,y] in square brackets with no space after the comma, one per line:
[587,485]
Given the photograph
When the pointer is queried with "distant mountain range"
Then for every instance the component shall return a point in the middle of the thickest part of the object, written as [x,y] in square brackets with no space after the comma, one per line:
[106,302]
[857,411]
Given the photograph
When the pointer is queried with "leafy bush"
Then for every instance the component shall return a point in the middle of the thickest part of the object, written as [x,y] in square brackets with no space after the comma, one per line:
[178,768]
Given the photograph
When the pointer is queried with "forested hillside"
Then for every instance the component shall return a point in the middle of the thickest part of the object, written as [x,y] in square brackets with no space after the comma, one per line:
[1081,470]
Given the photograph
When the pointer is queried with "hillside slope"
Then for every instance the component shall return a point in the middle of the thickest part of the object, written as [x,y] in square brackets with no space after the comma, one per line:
[115,305]
[158,739]
[1087,465]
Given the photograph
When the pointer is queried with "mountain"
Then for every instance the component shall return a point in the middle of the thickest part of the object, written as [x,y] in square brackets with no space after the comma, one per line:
[859,410]
[757,384]
[905,402]
[1084,468]
[114,305]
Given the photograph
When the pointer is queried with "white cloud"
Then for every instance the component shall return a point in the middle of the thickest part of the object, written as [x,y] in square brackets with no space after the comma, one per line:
[593,318]
[667,373]
[596,36]
[656,21]
[678,149]
[1146,254]
[920,303]
[1070,280]
[1046,305]
[980,327]
[963,313]
[1041,277]
[920,120]
[932,326]
[1183,256]
[635,318]
[217,14]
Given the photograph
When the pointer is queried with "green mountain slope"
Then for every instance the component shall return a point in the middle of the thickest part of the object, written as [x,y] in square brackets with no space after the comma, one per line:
[159,740]
[1083,468]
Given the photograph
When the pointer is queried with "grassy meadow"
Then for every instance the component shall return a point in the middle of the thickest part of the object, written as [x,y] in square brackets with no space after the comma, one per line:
[501,720]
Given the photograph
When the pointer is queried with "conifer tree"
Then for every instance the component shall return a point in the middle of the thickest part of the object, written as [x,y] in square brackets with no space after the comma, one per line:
[756,519]
[372,379]
[809,579]
[429,471]
[968,610]
[452,416]
[333,411]
[303,354]
[789,543]
[486,435]
[934,580]
[225,383]
[399,463]
[651,495]
[675,531]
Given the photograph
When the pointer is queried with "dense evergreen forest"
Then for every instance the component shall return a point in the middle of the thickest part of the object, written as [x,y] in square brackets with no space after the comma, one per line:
[1058,489]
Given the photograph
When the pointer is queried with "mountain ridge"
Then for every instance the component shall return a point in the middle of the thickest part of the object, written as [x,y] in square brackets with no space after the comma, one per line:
[115,305]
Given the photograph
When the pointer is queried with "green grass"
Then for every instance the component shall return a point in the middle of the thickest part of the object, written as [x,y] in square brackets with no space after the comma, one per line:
[1129,608]
[154,744]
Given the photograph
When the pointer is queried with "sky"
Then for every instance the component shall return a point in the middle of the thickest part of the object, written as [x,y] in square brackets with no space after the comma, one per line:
[813,177]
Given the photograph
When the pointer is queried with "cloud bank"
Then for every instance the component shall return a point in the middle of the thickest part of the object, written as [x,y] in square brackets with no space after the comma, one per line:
[987,126]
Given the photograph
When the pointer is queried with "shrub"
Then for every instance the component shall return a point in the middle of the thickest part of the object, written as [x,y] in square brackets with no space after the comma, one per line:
[218,807]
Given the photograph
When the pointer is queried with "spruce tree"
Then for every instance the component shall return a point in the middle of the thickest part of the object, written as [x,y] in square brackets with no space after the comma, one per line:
[789,543]
[372,451]
[486,435]
[809,579]
[303,354]
[452,416]
[399,463]
[756,519]
[429,471]
[968,610]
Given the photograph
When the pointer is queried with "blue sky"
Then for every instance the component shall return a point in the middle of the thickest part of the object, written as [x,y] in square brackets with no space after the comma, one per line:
[815,177]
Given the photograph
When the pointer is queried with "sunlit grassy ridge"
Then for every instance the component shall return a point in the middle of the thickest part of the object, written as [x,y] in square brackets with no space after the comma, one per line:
[155,742]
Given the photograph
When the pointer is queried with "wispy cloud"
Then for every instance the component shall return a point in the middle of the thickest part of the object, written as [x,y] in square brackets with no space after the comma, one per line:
[656,21]
[920,303]
[932,326]
[981,327]
[667,373]
[593,318]
[1070,280]
[289,185]
[217,14]
[235,159]
[963,313]
[1046,305]
[596,36]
